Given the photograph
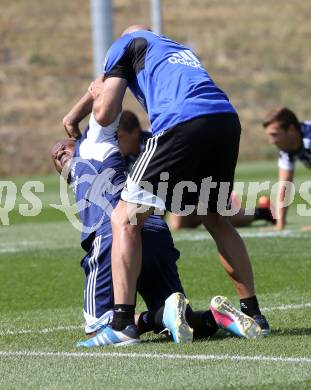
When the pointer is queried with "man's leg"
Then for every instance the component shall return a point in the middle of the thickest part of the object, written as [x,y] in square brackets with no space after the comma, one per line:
[233,253]
[235,260]
[202,322]
[126,261]
[98,292]
[240,219]
[222,314]
[159,284]
[261,214]
[177,222]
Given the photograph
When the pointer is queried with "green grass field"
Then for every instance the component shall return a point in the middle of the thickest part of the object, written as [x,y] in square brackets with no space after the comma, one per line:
[41,310]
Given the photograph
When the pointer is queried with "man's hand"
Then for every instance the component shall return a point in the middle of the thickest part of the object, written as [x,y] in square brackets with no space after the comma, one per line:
[274,228]
[280,225]
[283,193]
[71,127]
[78,112]
[96,86]
[306,228]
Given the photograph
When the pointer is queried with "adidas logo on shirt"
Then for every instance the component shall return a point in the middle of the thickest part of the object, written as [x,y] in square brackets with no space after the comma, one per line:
[185,57]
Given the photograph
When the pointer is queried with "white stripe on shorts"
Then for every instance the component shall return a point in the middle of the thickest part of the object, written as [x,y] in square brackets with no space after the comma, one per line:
[87,288]
[145,158]
[95,276]
[91,283]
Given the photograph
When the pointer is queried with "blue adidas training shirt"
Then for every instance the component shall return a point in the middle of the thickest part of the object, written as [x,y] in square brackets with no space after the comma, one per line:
[166,77]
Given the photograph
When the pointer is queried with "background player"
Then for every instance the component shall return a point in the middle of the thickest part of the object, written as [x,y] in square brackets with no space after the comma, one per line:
[293,139]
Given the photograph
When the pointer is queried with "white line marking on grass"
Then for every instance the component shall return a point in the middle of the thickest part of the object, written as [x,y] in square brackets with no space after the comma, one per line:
[76,327]
[200,236]
[8,250]
[257,358]
[288,307]
[27,245]
[40,331]
[182,236]
[284,234]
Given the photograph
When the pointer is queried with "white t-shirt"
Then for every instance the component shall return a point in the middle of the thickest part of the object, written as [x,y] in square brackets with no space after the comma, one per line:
[287,160]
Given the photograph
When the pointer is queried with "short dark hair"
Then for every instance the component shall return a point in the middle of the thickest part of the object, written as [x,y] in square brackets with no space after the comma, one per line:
[284,116]
[129,121]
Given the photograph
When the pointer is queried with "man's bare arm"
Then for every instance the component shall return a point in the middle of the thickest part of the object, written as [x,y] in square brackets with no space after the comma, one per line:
[284,176]
[108,96]
[78,112]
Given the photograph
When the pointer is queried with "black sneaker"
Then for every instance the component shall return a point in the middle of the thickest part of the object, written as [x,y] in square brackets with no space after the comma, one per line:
[263,323]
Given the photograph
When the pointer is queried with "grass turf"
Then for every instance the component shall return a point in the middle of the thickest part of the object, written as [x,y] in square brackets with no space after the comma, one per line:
[41,299]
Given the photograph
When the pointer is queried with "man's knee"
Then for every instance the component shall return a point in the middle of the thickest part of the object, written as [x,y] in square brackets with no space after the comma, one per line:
[123,215]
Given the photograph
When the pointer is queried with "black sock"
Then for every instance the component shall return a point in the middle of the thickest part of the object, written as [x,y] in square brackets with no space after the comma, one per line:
[123,315]
[145,322]
[209,320]
[158,320]
[202,322]
[250,306]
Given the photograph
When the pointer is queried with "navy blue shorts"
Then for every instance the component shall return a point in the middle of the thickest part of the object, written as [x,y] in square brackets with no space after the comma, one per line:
[158,279]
